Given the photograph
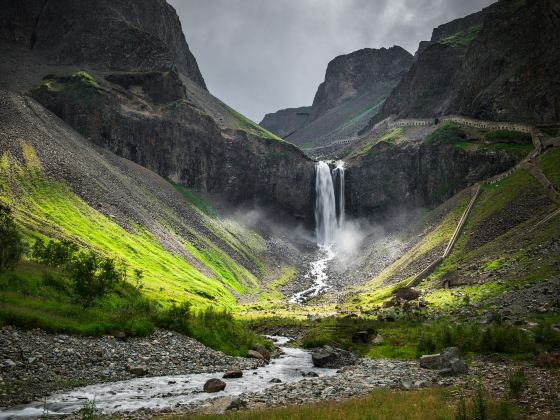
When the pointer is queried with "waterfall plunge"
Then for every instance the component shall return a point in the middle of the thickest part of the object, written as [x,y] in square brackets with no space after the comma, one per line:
[341,200]
[325,205]
[325,202]
[326,228]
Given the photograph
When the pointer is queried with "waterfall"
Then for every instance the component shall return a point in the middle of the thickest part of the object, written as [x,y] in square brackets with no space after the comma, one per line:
[325,205]
[341,203]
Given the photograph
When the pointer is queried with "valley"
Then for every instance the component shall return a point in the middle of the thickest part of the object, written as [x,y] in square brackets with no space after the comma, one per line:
[164,255]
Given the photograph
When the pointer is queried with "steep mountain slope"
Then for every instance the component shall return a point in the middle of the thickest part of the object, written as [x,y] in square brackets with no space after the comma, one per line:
[509,245]
[62,186]
[472,67]
[355,84]
[286,121]
[151,106]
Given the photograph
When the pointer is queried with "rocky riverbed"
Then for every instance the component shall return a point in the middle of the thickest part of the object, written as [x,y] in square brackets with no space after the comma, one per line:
[34,364]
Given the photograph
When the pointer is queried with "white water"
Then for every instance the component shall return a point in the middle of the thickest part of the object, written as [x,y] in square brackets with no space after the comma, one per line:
[326,227]
[325,205]
[170,391]
[341,198]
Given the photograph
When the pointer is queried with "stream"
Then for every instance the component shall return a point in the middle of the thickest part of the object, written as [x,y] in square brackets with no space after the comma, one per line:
[171,391]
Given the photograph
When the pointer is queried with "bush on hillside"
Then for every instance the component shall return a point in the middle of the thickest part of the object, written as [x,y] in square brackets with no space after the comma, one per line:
[54,253]
[11,245]
[93,277]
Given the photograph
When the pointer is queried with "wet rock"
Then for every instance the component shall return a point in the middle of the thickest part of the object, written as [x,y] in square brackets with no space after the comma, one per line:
[323,358]
[214,385]
[262,350]
[309,374]
[233,373]
[253,354]
[138,370]
[275,381]
[332,358]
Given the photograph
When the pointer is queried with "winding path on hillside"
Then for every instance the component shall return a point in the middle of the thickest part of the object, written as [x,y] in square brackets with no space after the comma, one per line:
[540,142]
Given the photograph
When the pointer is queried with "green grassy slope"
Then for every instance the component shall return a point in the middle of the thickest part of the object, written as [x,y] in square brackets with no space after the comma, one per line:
[46,206]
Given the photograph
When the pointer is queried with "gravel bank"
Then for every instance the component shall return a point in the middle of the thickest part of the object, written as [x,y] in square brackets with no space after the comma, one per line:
[34,364]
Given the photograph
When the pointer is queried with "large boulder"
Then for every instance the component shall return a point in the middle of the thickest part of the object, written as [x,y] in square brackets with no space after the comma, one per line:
[262,350]
[137,370]
[407,293]
[253,354]
[214,385]
[449,362]
[233,373]
[328,357]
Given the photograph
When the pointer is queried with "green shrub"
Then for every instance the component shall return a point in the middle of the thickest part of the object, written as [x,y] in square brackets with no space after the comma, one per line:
[517,382]
[93,277]
[55,253]
[11,245]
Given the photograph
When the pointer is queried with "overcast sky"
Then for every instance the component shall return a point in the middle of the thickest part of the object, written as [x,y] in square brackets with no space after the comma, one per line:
[259,56]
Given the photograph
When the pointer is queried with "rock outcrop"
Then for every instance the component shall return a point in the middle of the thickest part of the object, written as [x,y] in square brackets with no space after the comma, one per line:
[286,121]
[355,85]
[497,64]
[395,177]
[140,95]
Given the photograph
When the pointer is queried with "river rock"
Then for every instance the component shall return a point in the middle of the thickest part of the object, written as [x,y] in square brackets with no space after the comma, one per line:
[329,357]
[138,370]
[253,354]
[233,373]
[275,381]
[214,385]
[262,350]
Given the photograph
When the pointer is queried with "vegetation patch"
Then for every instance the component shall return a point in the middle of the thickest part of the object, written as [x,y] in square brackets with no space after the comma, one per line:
[80,87]
[463,38]
[389,136]
[550,165]
[419,404]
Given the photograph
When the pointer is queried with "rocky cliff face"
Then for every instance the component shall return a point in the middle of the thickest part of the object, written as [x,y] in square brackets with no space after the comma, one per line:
[117,34]
[349,76]
[427,88]
[354,87]
[392,178]
[497,64]
[143,98]
[286,121]
[511,71]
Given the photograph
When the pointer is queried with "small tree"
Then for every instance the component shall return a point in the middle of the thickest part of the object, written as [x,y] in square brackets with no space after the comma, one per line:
[11,245]
[93,277]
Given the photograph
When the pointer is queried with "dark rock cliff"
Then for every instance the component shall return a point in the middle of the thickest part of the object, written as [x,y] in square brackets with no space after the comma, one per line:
[140,95]
[116,34]
[497,64]
[286,121]
[351,75]
[355,85]
[511,71]
[393,178]
[427,88]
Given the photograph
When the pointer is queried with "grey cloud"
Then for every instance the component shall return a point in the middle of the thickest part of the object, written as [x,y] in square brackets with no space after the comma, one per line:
[259,56]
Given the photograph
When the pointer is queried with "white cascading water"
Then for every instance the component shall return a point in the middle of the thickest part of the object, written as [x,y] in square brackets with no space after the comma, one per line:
[326,228]
[341,200]
[325,205]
